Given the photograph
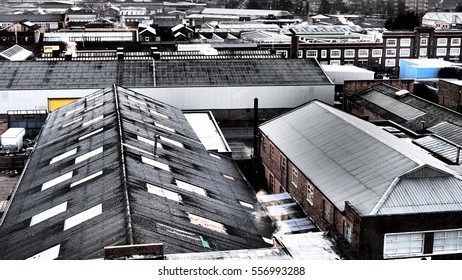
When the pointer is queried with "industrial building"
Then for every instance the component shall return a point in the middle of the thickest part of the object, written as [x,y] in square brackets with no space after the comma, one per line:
[117,170]
[226,83]
[381,196]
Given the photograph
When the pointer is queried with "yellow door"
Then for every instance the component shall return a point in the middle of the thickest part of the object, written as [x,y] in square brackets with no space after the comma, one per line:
[55,103]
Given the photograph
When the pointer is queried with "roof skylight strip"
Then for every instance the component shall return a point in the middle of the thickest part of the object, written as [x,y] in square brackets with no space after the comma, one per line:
[87,123]
[154,163]
[94,175]
[57,180]
[63,156]
[95,96]
[158,114]
[74,110]
[72,122]
[88,155]
[94,106]
[83,216]
[164,127]
[130,98]
[206,223]
[48,213]
[148,141]
[49,254]
[168,140]
[215,156]
[164,193]
[246,204]
[190,188]
[91,134]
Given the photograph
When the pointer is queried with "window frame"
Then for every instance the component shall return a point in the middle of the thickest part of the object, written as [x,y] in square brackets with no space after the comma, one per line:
[404,52]
[392,42]
[378,53]
[441,51]
[334,51]
[315,52]
[454,51]
[390,53]
[405,42]
[294,177]
[326,209]
[365,53]
[441,42]
[349,53]
[455,42]
[310,193]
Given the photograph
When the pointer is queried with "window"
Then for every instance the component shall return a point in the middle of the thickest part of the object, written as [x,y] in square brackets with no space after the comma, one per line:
[390,53]
[455,41]
[391,42]
[390,62]
[294,177]
[283,163]
[272,152]
[403,244]
[442,42]
[454,51]
[441,51]
[326,210]
[347,230]
[300,54]
[282,54]
[271,182]
[404,52]
[447,241]
[424,41]
[335,53]
[263,142]
[349,53]
[335,62]
[377,53]
[309,193]
[405,42]
[365,53]
[323,53]
[312,53]
[423,52]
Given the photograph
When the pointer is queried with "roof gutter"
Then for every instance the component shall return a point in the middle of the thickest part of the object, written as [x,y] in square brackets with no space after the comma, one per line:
[128,214]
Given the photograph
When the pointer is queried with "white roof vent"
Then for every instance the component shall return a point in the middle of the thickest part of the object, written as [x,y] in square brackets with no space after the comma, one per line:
[401,93]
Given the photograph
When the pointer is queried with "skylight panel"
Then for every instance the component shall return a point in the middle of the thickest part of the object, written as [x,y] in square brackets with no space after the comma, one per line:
[95,96]
[245,204]
[94,106]
[148,141]
[190,188]
[57,180]
[88,155]
[206,223]
[168,140]
[72,122]
[91,134]
[154,163]
[83,216]
[87,123]
[88,178]
[267,240]
[158,114]
[49,254]
[133,99]
[164,127]
[48,213]
[74,110]
[63,155]
[215,156]
[138,149]
[228,177]
[164,193]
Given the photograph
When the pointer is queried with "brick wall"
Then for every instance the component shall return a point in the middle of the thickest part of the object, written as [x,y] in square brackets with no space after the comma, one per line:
[353,87]
[450,95]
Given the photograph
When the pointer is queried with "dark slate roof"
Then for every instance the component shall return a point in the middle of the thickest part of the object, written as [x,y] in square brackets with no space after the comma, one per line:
[32,18]
[432,113]
[116,123]
[168,73]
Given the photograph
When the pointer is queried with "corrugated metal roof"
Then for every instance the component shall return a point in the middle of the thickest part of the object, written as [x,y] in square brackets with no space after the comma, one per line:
[424,195]
[116,183]
[347,158]
[168,73]
[438,147]
[448,131]
[393,105]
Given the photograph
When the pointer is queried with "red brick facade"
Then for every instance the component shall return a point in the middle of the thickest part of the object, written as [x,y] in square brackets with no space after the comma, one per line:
[450,94]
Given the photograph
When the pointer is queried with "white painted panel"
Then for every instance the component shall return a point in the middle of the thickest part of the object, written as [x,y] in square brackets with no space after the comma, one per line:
[63,156]
[82,217]
[190,188]
[49,254]
[48,213]
[57,180]
[88,155]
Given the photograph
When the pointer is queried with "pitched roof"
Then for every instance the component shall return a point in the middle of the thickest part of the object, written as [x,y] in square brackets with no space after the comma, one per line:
[95,179]
[347,158]
[168,73]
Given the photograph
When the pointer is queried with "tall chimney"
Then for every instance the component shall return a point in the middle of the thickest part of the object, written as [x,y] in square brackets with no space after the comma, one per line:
[293,44]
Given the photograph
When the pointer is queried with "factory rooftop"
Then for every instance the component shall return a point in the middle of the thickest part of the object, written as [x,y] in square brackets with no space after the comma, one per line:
[117,168]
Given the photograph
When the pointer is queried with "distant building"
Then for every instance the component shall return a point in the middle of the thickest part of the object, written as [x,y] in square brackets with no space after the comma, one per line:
[442,20]
[379,195]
